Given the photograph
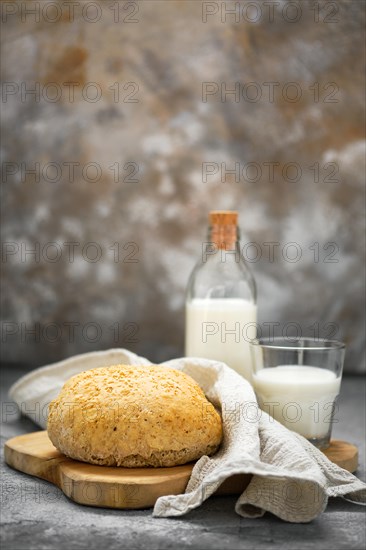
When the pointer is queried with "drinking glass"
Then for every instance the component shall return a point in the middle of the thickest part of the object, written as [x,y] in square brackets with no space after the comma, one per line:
[297,382]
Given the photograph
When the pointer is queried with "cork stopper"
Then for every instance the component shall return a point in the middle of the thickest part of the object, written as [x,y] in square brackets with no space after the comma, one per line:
[223,228]
[223,217]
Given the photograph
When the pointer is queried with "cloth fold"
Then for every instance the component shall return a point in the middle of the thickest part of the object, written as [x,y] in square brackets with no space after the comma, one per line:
[290,477]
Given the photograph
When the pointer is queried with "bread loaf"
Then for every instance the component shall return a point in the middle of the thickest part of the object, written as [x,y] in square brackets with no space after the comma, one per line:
[134,416]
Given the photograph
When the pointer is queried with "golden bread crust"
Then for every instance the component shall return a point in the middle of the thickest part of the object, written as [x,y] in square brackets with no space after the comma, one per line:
[134,416]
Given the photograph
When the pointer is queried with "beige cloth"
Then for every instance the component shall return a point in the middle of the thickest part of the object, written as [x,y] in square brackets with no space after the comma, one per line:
[291,478]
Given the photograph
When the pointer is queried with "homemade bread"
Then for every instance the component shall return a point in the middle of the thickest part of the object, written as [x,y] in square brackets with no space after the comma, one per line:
[134,416]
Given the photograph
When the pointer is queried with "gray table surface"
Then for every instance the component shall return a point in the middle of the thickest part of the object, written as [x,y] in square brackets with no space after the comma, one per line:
[35,514]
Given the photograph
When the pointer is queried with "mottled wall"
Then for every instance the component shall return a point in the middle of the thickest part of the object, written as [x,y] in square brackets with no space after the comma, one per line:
[130,88]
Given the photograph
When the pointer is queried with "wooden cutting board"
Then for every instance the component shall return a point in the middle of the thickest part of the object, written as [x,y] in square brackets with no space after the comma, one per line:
[102,486]
[121,488]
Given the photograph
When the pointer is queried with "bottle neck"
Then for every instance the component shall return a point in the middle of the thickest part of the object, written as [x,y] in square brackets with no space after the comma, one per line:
[224,237]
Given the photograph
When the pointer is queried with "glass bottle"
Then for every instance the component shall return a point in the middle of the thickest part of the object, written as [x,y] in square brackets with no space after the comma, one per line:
[221,311]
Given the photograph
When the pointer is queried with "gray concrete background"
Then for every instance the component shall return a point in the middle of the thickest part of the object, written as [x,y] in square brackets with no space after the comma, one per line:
[36,515]
[149,62]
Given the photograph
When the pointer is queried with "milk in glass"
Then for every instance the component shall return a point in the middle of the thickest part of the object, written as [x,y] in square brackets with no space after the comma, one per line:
[301,397]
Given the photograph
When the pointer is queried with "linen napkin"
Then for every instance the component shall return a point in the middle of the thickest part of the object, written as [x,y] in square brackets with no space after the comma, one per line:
[290,477]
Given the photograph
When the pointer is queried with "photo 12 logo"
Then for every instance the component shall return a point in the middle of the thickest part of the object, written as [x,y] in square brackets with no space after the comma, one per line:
[69,92]
[69,332]
[69,172]
[269,11]
[291,331]
[270,92]
[70,11]
[70,251]
[273,251]
[270,172]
